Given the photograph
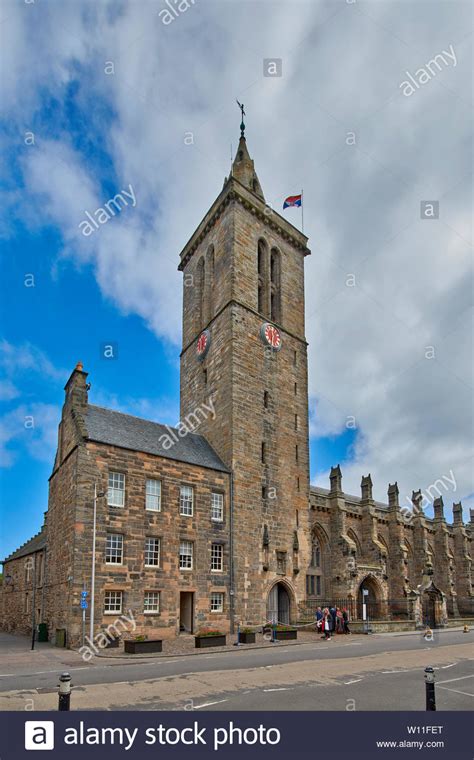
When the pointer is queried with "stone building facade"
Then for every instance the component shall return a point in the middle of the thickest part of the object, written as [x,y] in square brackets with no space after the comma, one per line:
[191,529]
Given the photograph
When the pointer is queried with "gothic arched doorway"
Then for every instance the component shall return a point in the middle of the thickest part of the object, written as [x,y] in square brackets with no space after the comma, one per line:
[278,604]
[372,599]
[432,607]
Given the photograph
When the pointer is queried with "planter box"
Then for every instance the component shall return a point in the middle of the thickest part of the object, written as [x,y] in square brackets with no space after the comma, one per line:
[201,642]
[247,638]
[143,647]
[113,643]
[286,635]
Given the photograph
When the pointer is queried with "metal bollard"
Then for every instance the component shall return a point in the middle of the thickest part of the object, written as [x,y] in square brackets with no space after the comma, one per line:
[237,643]
[64,692]
[430,689]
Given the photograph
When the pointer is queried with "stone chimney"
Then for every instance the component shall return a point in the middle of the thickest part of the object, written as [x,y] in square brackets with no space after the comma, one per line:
[366,487]
[76,389]
[438,506]
[457,513]
[335,480]
[393,493]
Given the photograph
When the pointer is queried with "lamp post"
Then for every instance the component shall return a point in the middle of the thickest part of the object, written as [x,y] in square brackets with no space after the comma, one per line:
[94,526]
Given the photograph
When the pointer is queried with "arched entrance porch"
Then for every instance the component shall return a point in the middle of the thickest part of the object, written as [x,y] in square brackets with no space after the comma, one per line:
[433,607]
[279,604]
[373,599]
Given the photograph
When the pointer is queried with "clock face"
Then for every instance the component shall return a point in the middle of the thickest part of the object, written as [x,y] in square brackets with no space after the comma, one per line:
[271,336]
[203,343]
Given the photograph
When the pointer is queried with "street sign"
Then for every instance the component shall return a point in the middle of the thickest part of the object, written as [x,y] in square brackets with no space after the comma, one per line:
[365,592]
[84,604]
[84,594]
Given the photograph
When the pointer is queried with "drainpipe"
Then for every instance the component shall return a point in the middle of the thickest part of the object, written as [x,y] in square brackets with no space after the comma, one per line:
[231,553]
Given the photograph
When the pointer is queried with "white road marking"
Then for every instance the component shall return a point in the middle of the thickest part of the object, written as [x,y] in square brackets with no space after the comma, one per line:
[280,689]
[456,691]
[451,680]
[356,680]
[443,667]
[209,704]
[395,671]
[39,672]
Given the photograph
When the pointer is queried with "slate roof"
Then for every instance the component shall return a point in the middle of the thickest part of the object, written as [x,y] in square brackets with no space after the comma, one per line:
[33,545]
[136,434]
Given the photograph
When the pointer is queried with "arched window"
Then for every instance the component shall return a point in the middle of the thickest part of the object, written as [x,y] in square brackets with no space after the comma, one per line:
[318,573]
[316,553]
[262,267]
[353,536]
[275,295]
[200,295]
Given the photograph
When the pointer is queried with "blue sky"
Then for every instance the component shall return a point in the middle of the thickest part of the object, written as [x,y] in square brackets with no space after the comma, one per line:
[96,133]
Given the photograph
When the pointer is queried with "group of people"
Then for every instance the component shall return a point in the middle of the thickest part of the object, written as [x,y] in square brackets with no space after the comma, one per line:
[332,620]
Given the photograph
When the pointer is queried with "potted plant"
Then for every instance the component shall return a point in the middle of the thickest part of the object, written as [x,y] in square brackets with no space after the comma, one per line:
[246,636]
[142,645]
[209,637]
[285,632]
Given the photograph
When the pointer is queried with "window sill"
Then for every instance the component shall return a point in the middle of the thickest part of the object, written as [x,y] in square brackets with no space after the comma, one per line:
[152,567]
[119,612]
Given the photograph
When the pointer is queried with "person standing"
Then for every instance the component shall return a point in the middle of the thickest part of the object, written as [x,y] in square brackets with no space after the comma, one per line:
[327,624]
[345,618]
[319,619]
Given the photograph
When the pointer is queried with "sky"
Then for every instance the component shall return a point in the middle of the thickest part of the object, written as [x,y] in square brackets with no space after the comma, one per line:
[100,97]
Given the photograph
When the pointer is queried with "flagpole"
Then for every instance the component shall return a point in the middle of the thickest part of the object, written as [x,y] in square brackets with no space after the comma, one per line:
[302,212]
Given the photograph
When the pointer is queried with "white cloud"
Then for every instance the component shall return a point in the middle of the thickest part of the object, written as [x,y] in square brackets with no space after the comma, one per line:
[341,72]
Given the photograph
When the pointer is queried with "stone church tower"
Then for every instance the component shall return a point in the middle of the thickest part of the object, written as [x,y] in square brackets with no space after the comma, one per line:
[244,346]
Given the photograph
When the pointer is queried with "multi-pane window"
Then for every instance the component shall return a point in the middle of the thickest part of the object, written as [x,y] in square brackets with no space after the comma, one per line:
[217,601]
[217,556]
[316,554]
[151,602]
[186,555]
[152,552]
[113,602]
[186,501]
[116,492]
[217,507]
[153,495]
[114,549]
[313,585]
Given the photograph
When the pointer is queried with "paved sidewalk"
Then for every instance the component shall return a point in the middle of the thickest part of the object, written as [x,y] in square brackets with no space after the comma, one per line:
[184,646]
[16,655]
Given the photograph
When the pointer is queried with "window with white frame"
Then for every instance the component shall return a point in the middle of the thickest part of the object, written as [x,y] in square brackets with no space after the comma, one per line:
[153,495]
[217,507]
[116,492]
[217,601]
[186,555]
[217,555]
[151,602]
[114,549]
[186,501]
[152,552]
[113,602]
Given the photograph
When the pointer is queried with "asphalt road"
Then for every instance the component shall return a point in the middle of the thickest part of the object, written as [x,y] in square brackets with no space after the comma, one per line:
[358,673]
[111,671]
